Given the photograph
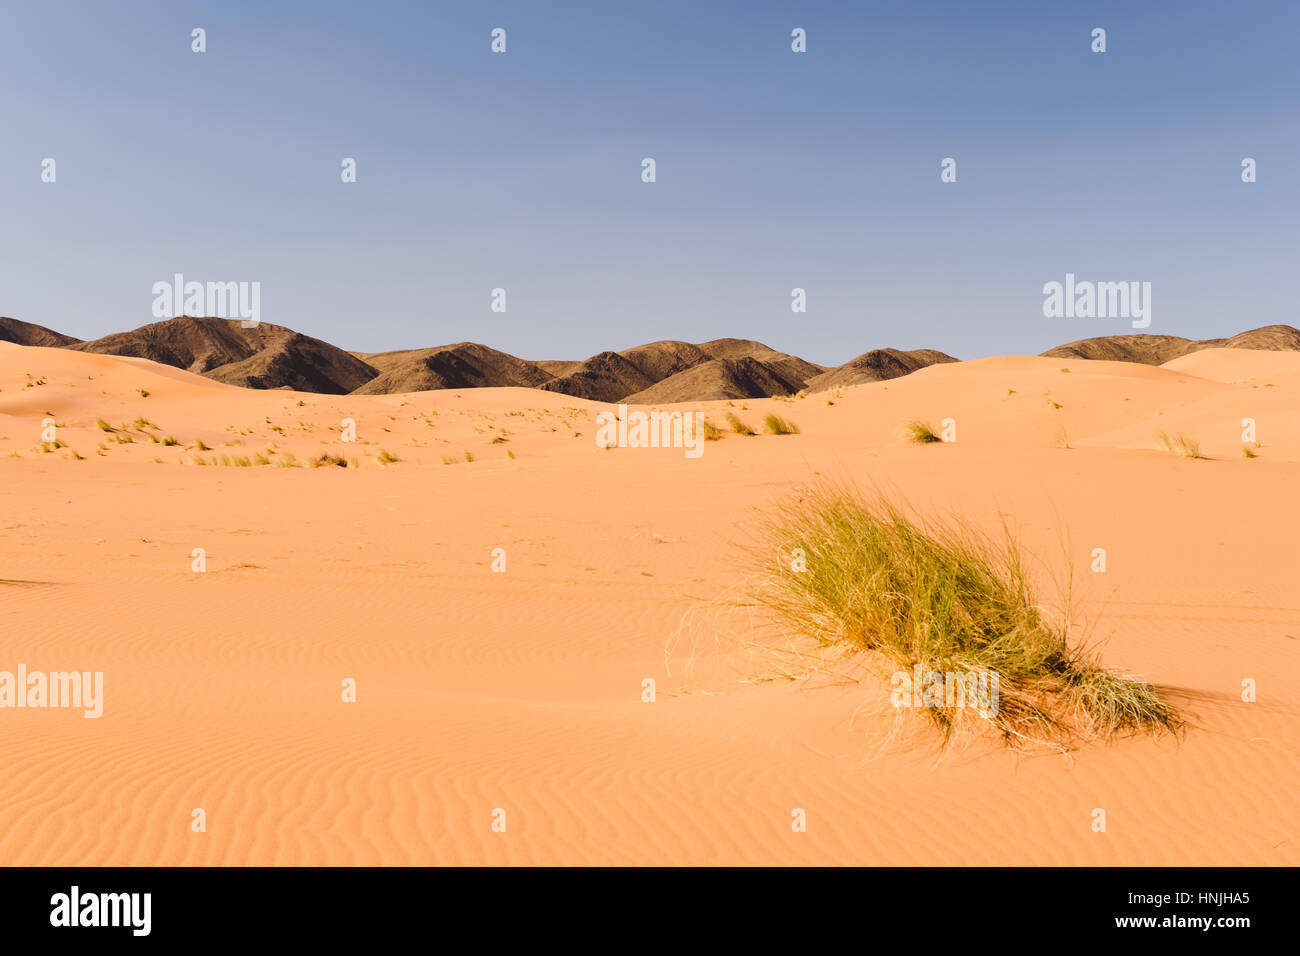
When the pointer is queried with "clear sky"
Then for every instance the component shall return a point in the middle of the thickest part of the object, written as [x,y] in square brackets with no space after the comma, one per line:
[775,170]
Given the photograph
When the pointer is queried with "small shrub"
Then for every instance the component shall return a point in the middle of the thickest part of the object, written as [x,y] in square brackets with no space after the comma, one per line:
[1180,445]
[775,425]
[920,433]
[737,426]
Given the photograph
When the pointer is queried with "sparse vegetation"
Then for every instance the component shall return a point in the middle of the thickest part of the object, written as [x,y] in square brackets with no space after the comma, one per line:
[387,459]
[737,426]
[144,392]
[775,425]
[104,426]
[1180,445]
[943,597]
[1248,452]
[710,430]
[169,440]
[920,432]
[325,459]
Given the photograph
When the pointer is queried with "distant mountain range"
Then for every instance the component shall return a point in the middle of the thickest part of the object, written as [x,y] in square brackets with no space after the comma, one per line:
[271,356]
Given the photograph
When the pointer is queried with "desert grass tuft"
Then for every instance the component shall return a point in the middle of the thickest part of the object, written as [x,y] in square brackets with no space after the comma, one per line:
[325,459]
[737,426]
[1248,452]
[385,458]
[775,425]
[1180,445]
[920,432]
[947,598]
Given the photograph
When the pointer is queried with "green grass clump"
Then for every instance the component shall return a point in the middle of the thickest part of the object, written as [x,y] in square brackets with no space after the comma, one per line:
[920,432]
[737,426]
[1180,445]
[949,599]
[775,425]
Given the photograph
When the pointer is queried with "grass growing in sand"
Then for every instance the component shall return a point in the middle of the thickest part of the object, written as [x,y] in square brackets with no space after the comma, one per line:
[325,459]
[737,426]
[775,425]
[949,599]
[920,432]
[1180,445]
[387,459]
[710,430]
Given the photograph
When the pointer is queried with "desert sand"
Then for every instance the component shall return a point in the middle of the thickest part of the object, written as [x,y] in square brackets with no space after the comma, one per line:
[522,691]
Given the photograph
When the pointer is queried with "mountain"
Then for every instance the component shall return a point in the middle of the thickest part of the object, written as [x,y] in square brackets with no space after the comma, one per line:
[466,365]
[876,366]
[718,379]
[605,377]
[265,356]
[1158,349]
[24,333]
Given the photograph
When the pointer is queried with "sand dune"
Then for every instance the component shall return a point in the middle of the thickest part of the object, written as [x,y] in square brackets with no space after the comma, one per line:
[522,690]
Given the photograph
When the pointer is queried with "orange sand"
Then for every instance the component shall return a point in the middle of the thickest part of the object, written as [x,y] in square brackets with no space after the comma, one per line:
[522,690]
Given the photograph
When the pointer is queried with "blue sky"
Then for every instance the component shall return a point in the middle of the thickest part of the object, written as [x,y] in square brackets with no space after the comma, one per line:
[775,170]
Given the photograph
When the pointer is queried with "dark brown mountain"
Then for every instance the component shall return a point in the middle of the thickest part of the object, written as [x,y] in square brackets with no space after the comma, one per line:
[605,377]
[466,365]
[739,348]
[659,360]
[265,356]
[877,366]
[718,379]
[25,333]
[1158,349]
[1144,349]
